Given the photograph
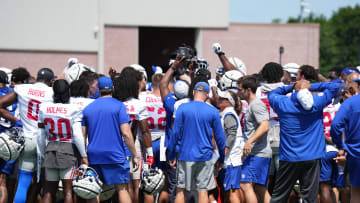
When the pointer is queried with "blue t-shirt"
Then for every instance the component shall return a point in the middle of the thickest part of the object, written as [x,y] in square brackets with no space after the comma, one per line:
[103,118]
[193,127]
[168,104]
[5,124]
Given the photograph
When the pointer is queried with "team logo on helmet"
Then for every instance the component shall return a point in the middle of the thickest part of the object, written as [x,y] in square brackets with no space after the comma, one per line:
[152,180]
[87,183]
[11,143]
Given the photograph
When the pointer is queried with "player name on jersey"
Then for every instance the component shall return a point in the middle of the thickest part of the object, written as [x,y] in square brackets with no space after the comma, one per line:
[53,110]
[153,100]
[37,93]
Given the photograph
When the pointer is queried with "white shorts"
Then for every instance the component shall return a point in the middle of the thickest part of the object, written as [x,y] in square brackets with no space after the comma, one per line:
[28,157]
[55,174]
[137,174]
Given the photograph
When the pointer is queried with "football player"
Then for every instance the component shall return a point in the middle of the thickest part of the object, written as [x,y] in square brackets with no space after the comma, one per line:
[62,123]
[29,98]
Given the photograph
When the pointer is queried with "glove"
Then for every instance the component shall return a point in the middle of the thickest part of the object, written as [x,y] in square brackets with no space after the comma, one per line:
[216,47]
[150,160]
[212,83]
[18,123]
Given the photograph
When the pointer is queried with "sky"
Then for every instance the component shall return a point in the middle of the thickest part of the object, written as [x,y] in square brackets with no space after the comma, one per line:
[264,11]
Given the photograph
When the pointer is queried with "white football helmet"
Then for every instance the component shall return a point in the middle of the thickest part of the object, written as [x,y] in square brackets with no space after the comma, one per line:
[152,180]
[181,89]
[141,69]
[74,72]
[11,143]
[87,183]
[107,193]
[229,79]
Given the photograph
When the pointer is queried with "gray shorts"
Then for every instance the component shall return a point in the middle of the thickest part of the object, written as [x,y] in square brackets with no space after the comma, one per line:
[195,175]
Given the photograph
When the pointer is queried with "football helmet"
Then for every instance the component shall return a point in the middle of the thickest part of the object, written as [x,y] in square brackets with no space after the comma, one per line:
[201,64]
[152,180]
[141,69]
[229,79]
[11,143]
[87,183]
[292,68]
[181,89]
[74,72]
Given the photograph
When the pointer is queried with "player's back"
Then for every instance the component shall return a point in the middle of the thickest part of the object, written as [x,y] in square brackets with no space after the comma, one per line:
[30,96]
[156,113]
[136,110]
[58,119]
[81,101]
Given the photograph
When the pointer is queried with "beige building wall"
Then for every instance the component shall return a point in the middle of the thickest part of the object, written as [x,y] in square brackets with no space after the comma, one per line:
[257,44]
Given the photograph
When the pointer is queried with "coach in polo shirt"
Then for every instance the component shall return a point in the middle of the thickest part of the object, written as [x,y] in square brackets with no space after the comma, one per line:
[193,126]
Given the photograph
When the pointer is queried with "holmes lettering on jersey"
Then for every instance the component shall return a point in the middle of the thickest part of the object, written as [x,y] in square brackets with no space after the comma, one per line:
[153,100]
[52,109]
[37,93]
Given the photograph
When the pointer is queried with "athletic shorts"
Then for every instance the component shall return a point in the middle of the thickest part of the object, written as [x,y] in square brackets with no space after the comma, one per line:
[156,151]
[232,177]
[7,167]
[56,174]
[195,175]
[338,178]
[327,166]
[28,157]
[353,169]
[137,174]
[255,170]
[111,174]
[274,164]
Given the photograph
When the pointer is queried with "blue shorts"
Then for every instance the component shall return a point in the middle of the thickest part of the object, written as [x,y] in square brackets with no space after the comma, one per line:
[255,170]
[353,166]
[338,176]
[156,151]
[232,177]
[327,166]
[7,167]
[113,173]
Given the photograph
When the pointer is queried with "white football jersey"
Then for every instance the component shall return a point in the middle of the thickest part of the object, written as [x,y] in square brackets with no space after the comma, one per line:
[30,96]
[58,120]
[136,110]
[329,113]
[81,101]
[178,103]
[157,115]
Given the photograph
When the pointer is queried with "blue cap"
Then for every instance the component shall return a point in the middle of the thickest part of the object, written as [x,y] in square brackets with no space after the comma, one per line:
[202,86]
[348,71]
[105,83]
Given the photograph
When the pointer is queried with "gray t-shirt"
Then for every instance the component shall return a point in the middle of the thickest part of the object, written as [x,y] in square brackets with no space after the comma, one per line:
[257,112]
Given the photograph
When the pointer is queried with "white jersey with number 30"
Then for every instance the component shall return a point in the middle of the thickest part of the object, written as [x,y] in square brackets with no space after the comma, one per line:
[30,96]
[58,120]
[157,115]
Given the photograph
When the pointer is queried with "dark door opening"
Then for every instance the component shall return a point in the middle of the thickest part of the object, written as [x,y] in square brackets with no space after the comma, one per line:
[156,45]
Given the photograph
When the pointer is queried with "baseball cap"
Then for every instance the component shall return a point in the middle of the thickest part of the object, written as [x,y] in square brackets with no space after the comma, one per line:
[227,95]
[348,71]
[46,74]
[202,86]
[105,83]
[181,89]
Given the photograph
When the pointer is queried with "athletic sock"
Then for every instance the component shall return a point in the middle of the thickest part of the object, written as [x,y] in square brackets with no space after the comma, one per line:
[25,178]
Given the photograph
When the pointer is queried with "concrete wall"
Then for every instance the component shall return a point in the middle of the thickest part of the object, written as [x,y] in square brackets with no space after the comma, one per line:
[71,25]
[33,61]
[257,44]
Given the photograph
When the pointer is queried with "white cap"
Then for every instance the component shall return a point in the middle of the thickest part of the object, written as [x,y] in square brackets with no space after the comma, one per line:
[227,95]
[292,68]
[305,98]
[181,89]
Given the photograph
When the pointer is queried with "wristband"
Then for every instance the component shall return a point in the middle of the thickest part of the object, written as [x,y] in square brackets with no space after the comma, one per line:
[173,67]
[221,53]
[149,151]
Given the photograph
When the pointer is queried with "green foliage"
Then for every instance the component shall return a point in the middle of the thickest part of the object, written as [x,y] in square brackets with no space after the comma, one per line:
[339,37]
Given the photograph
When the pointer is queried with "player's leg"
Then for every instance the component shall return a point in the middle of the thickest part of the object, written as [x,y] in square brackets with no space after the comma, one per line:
[122,190]
[51,184]
[66,175]
[7,168]
[247,176]
[27,163]
[309,180]
[326,173]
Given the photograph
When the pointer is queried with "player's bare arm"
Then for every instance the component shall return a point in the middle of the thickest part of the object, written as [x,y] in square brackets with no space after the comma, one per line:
[128,138]
[258,134]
